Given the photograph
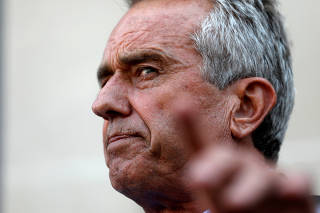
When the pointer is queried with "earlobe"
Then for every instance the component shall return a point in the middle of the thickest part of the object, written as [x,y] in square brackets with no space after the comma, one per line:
[256,98]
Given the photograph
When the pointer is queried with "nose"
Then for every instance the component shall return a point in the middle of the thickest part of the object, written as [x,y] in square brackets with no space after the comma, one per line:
[112,100]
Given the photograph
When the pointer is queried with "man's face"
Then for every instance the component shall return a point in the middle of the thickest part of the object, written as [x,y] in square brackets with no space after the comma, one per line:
[149,65]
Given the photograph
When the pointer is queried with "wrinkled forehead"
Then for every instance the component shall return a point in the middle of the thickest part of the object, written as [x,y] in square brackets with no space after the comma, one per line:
[131,3]
[158,20]
[172,12]
[151,19]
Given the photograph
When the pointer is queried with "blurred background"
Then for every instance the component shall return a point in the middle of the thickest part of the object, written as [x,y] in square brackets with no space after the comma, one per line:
[51,150]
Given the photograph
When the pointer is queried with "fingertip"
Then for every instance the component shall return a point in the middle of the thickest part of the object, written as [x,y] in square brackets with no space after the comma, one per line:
[296,186]
[198,173]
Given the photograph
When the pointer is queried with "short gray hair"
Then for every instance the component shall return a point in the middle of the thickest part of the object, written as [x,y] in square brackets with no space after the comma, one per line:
[246,38]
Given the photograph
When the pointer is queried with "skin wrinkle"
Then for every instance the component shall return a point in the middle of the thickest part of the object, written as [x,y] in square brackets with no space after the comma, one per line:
[191,45]
[134,36]
[170,59]
[124,46]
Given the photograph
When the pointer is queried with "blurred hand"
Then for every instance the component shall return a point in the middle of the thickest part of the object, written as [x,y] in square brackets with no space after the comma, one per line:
[228,178]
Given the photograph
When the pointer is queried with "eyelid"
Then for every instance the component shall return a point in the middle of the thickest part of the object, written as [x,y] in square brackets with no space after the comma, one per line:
[139,73]
[147,66]
[136,71]
[141,68]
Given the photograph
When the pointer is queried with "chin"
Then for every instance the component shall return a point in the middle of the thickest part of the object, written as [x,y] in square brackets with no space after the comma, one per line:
[126,173]
[131,180]
[146,184]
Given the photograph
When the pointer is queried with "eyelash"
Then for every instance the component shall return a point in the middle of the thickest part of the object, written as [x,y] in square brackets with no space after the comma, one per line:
[140,70]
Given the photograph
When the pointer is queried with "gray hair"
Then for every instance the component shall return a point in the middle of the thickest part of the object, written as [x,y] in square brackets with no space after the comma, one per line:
[246,38]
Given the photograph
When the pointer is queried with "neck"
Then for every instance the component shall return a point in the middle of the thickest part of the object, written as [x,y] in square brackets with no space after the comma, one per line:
[175,198]
[175,207]
[191,207]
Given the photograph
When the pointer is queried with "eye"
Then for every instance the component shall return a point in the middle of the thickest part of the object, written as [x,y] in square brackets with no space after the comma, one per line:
[147,73]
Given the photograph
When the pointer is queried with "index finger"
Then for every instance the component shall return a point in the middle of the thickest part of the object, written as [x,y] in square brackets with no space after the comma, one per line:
[189,120]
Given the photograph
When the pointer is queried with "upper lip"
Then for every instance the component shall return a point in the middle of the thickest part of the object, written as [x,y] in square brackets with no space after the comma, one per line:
[118,136]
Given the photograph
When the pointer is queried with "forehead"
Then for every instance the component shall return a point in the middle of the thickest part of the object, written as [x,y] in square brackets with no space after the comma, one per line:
[170,14]
[157,24]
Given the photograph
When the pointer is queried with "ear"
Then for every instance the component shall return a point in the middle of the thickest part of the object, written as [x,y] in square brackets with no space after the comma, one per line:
[256,97]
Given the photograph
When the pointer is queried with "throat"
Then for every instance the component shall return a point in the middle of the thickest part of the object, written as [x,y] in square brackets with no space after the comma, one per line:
[188,207]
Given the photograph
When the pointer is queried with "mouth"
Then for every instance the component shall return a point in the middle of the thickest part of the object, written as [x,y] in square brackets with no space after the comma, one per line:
[119,137]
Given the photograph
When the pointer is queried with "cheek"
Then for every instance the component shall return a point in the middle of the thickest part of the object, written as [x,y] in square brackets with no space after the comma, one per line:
[152,103]
[104,137]
[105,127]
[104,130]
[152,107]
[156,108]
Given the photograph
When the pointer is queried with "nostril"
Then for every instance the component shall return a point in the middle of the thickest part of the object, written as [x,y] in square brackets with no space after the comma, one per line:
[111,114]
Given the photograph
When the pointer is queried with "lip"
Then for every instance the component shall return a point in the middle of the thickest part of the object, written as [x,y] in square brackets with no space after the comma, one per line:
[116,138]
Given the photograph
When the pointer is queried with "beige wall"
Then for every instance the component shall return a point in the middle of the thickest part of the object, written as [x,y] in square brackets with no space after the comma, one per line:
[301,149]
[53,152]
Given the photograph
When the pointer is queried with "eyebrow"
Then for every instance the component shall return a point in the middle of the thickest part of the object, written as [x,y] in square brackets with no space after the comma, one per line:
[134,58]
[138,57]
[104,71]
